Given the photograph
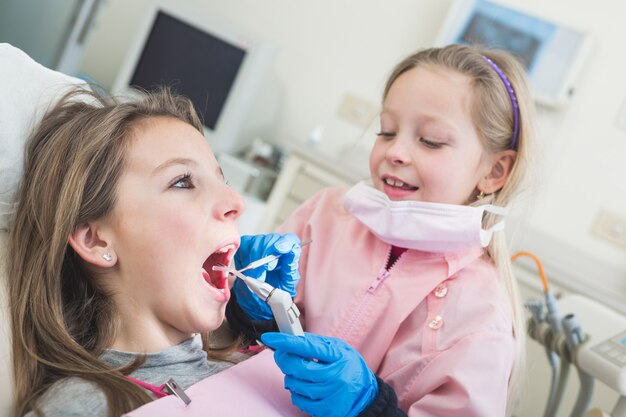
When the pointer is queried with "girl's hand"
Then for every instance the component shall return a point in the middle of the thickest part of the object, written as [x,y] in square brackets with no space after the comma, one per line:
[282,273]
[325,375]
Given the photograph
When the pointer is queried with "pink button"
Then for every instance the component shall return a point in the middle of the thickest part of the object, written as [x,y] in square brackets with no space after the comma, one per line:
[436,323]
[441,291]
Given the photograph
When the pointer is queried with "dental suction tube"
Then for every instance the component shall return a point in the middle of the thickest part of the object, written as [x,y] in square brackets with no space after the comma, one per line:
[536,308]
[575,337]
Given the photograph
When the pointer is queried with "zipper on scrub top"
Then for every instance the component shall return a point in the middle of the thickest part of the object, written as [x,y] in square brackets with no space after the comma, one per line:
[384,272]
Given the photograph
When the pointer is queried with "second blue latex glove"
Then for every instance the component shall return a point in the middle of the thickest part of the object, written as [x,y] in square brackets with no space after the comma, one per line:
[337,383]
[282,273]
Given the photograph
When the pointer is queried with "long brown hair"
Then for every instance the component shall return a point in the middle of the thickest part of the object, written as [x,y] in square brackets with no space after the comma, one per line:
[62,320]
[492,113]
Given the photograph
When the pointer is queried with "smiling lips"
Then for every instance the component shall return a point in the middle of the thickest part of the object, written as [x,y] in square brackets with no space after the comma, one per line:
[396,183]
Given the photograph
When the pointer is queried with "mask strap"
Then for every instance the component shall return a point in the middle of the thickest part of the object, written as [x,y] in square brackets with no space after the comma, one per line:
[485,235]
[500,211]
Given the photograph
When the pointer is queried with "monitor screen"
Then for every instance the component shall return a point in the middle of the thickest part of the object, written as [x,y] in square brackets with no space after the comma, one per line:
[218,67]
[192,62]
[487,30]
[550,52]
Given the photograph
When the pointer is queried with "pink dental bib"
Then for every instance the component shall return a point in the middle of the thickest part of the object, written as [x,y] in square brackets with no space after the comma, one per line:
[253,387]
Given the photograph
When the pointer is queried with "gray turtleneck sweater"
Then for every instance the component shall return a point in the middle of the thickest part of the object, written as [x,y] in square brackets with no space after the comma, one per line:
[187,363]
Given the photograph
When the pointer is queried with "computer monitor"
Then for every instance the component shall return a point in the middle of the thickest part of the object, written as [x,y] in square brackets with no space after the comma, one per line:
[217,67]
[551,53]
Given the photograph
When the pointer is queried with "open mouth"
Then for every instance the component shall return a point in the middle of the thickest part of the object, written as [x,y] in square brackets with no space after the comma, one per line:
[222,256]
[401,185]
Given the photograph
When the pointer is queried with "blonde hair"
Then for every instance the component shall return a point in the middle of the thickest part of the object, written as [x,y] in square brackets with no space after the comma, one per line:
[492,113]
[62,320]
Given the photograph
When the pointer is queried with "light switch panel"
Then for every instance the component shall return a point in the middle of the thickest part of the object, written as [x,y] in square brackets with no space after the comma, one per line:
[357,111]
[611,227]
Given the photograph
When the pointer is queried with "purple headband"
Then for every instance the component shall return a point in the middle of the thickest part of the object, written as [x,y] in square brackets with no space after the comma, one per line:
[512,96]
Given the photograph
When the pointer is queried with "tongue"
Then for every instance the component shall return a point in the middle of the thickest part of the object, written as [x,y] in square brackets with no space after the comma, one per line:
[207,277]
[217,280]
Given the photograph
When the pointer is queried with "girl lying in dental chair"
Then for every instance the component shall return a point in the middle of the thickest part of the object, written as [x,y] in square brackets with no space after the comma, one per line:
[122,213]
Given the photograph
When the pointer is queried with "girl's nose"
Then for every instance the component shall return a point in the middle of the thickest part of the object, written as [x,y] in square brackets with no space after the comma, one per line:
[397,152]
[231,205]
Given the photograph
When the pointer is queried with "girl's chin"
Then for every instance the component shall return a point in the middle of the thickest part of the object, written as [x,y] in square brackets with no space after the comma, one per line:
[206,325]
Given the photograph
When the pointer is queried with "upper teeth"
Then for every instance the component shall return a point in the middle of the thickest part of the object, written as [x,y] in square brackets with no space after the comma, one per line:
[394,183]
[225,248]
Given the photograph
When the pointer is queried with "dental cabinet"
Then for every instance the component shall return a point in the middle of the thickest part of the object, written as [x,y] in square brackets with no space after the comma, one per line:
[305,172]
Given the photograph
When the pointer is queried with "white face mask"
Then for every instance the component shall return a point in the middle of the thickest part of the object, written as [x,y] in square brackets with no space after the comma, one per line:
[428,227]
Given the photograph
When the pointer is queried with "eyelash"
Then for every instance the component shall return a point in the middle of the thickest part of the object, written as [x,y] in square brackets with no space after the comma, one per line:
[185,177]
[428,143]
[431,144]
[386,135]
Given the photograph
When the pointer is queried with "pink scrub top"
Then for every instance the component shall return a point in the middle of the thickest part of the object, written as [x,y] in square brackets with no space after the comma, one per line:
[436,326]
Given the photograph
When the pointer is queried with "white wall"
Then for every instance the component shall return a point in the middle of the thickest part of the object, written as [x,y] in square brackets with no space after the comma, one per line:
[328,48]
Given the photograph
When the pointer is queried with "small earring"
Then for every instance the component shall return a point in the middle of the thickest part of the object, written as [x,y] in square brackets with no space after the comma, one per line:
[480,195]
[107,257]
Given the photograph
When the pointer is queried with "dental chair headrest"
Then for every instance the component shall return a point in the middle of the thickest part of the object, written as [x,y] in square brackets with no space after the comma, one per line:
[27,91]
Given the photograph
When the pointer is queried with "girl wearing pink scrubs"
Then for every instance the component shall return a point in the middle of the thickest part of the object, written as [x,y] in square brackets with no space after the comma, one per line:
[411,269]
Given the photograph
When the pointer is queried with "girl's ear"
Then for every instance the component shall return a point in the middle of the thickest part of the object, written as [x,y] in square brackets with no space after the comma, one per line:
[90,244]
[501,168]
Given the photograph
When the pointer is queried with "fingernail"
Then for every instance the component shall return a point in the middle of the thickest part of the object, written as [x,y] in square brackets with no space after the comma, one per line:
[282,246]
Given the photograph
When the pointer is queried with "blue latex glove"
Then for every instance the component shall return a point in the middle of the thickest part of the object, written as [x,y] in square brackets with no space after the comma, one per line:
[338,383]
[282,273]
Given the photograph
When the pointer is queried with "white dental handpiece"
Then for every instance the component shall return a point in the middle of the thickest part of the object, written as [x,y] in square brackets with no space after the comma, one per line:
[285,311]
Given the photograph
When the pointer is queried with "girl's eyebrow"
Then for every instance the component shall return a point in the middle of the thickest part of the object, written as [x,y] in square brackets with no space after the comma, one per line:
[175,161]
[424,119]
[427,121]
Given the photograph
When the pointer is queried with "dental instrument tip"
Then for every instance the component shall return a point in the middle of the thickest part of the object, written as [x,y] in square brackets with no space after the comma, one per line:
[221,268]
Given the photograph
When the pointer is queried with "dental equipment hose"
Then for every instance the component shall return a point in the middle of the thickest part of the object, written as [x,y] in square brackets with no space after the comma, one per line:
[539,316]
[560,369]
[574,338]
